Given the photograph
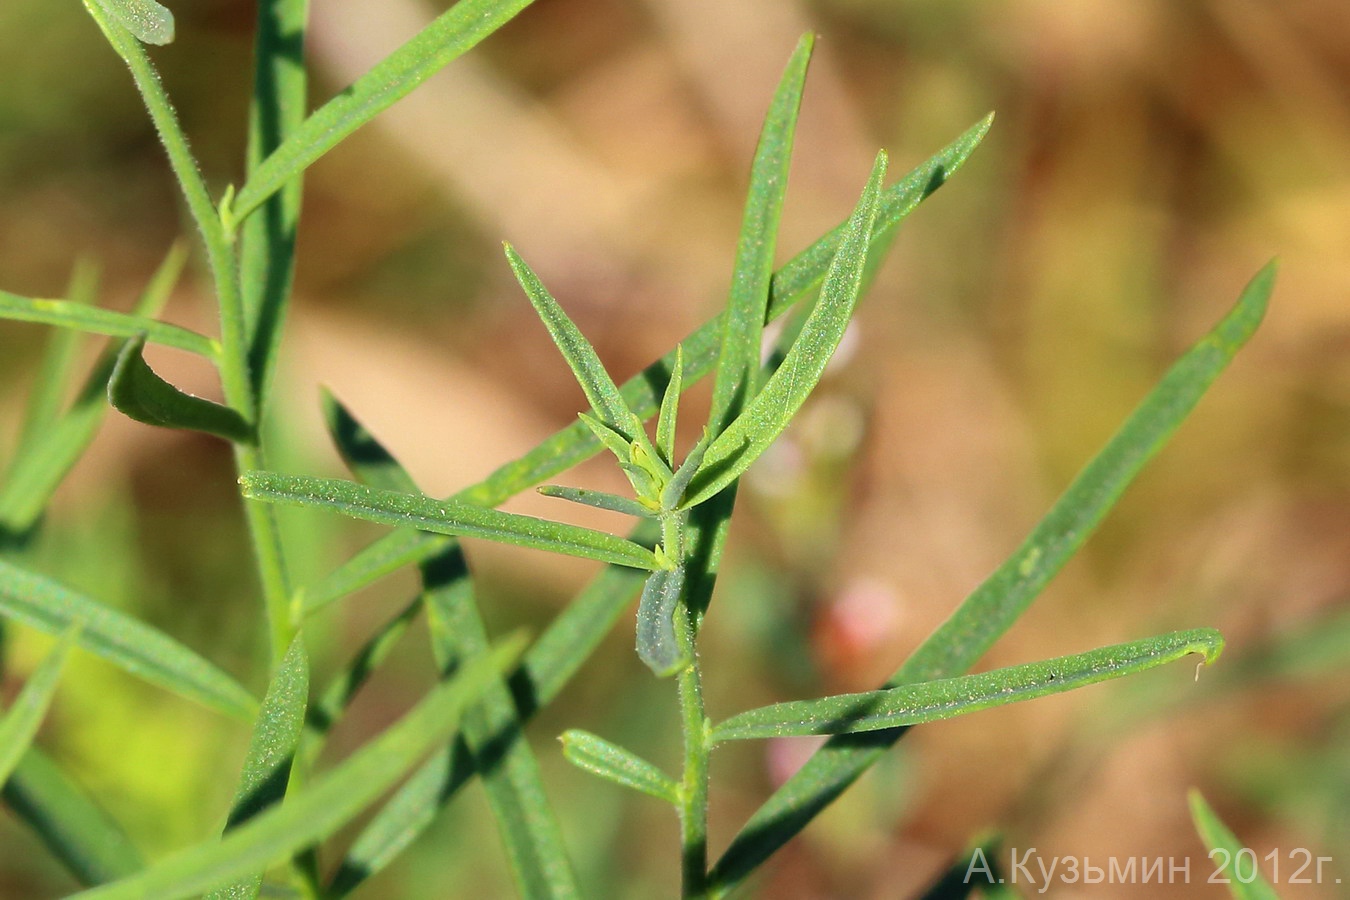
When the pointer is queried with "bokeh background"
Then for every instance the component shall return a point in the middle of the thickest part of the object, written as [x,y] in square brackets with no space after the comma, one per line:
[1147,159]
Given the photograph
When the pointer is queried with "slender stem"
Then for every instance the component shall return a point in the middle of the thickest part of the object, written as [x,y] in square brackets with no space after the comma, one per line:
[220,252]
[270,554]
[694,787]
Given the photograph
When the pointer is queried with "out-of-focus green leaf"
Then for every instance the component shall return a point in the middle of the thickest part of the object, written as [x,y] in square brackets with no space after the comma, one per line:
[322,807]
[41,603]
[93,847]
[1226,856]
[20,724]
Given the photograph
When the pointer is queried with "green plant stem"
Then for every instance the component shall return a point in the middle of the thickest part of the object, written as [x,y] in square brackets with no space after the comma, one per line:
[694,786]
[270,555]
[220,253]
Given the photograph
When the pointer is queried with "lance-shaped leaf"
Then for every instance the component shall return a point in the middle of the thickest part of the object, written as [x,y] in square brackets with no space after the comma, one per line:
[600,390]
[1245,881]
[321,808]
[743,323]
[929,701]
[140,394]
[149,21]
[998,602]
[597,499]
[657,644]
[452,34]
[732,451]
[20,723]
[444,517]
[41,603]
[792,283]
[92,319]
[610,761]
[271,751]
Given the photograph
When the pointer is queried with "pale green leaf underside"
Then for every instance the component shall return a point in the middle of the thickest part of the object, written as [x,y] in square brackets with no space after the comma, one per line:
[41,603]
[92,319]
[20,722]
[612,762]
[444,517]
[150,22]
[321,808]
[914,704]
[1243,882]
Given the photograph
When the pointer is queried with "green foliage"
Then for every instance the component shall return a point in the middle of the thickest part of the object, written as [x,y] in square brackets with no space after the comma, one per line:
[1226,854]
[471,724]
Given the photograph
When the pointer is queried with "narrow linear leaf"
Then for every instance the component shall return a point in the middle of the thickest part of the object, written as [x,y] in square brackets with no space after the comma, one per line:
[44,460]
[452,34]
[546,668]
[743,324]
[92,319]
[57,370]
[930,701]
[444,517]
[41,603]
[732,451]
[617,764]
[600,390]
[597,499]
[267,241]
[1243,883]
[20,724]
[993,607]
[329,802]
[493,735]
[86,840]
[657,644]
[345,683]
[138,393]
[363,454]
[150,22]
[575,443]
[271,752]
[491,731]
[667,417]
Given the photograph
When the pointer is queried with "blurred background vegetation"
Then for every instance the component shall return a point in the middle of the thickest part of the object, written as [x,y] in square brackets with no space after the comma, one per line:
[1147,158]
